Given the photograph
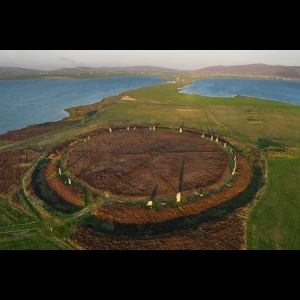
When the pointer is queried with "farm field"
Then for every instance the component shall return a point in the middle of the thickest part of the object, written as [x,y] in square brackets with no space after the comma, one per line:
[258,209]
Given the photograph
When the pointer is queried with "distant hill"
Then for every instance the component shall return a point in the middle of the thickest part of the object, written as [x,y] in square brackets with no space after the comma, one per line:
[85,72]
[250,70]
[13,70]
[150,69]
[253,70]
[102,69]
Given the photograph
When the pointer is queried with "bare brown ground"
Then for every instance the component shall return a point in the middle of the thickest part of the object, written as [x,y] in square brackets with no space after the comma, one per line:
[127,98]
[225,234]
[125,214]
[134,163]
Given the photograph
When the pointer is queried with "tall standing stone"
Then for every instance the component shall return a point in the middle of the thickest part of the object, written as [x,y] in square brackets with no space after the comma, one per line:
[233,172]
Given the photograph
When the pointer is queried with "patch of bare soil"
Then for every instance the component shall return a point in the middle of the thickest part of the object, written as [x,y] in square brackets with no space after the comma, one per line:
[127,98]
[124,214]
[134,163]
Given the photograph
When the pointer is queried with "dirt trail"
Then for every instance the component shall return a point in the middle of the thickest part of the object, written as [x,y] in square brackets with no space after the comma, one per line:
[216,121]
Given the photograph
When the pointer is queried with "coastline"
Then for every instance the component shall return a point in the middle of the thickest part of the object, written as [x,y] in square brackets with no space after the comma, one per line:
[57,77]
[58,93]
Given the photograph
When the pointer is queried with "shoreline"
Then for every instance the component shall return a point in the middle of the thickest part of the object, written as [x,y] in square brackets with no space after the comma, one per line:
[66,114]
[57,77]
[126,98]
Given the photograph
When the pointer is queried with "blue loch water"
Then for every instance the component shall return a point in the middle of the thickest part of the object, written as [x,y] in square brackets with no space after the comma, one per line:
[28,102]
[279,90]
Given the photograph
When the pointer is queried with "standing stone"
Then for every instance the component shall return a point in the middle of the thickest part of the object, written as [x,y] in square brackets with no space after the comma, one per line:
[203,135]
[234,168]
[110,130]
[69,180]
[217,139]
[127,127]
[134,128]
[178,196]
[59,170]
[211,137]
[180,129]
[224,145]
[150,127]
[153,127]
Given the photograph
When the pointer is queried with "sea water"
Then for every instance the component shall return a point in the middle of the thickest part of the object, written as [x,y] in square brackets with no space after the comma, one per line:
[269,89]
[29,102]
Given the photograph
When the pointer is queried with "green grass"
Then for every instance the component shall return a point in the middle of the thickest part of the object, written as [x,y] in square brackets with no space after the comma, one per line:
[249,120]
[10,215]
[274,222]
[31,239]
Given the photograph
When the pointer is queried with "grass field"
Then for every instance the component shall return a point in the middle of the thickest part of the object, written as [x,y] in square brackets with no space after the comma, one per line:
[274,221]
[271,127]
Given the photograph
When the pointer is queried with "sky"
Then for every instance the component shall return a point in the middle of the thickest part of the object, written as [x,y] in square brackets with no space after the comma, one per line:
[48,60]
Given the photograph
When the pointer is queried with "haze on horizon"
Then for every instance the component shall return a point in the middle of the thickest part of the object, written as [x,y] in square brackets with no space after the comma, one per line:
[48,60]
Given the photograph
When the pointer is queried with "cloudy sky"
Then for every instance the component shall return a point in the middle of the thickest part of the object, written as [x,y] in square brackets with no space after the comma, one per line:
[176,59]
